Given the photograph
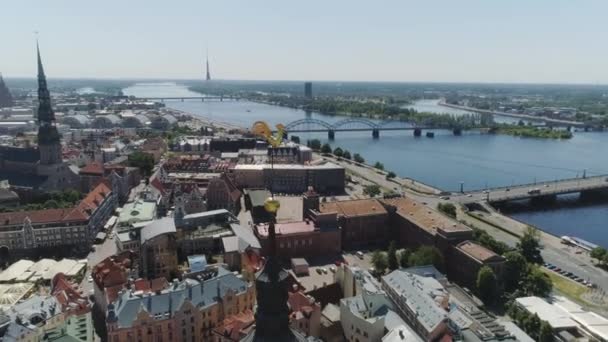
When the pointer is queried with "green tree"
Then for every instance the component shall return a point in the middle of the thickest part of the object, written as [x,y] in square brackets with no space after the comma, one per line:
[326,148]
[314,144]
[516,268]
[487,286]
[448,209]
[532,325]
[488,241]
[143,161]
[393,263]
[426,255]
[357,157]
[537,283]
[380,261]
[371,190]
[51,204]
[379,166]
[404,257]
[346,155]
[529,246]
[390,175]
[599,253]
[295,139]
[338,152]
[545,333]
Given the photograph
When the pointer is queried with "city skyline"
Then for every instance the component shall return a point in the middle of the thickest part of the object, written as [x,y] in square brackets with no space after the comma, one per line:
[437,41]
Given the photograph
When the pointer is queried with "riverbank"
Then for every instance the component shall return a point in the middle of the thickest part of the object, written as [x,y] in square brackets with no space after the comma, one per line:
[531,132]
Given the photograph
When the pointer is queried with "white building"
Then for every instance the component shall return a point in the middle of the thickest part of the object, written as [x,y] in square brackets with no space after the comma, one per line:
[363,316]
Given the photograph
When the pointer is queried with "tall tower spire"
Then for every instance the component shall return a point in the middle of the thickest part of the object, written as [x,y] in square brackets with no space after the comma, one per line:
[208,77]
[49,142]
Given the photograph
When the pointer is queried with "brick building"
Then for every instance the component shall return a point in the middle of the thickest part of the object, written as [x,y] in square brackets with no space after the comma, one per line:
[467,258]
[301,239]
[222,193]
[158,254]
[362,222]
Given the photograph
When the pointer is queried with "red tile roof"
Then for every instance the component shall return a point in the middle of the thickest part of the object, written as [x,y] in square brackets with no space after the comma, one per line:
[43,216]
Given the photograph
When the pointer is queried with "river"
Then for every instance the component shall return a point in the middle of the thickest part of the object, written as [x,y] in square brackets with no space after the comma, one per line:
[478,160]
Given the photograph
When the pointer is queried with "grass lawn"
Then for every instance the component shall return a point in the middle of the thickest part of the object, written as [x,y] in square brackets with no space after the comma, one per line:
[566,286]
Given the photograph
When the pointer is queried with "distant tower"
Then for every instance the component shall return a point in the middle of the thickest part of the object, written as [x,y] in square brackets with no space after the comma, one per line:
[49,142]
[308,90]
[208,78]
[6,99]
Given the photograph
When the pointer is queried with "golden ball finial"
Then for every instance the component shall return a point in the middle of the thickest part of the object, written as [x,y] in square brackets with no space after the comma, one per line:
[272,205]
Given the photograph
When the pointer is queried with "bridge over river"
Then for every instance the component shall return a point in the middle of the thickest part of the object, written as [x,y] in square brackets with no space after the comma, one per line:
[360,124]
[536,191]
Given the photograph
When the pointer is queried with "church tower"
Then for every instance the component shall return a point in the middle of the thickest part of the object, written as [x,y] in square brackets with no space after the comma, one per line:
[49,142]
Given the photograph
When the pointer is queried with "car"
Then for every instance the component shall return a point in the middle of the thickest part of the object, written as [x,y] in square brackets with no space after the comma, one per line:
[444,197]
[470,195]
[359,255]
[338,263]
[486,191]
[319,271]
[557,269]
[580,280]
[507,189]
[90,279]
[551,267]
[332,269]
[546,264]
[546,185]
[323,270]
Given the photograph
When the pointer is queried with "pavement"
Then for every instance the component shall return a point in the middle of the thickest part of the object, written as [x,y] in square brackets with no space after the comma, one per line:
[102,251]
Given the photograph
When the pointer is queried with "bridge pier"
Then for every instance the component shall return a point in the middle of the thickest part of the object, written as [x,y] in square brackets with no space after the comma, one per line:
[375,133]
[182,100]
[593,195]
[417,132]
[331,134]
[543,199]
[221,99]
[457,131]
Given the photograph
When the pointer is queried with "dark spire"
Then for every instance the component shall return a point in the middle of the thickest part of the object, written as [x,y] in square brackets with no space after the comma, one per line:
[46,116]
[208,78]
[6,99]
[49,140]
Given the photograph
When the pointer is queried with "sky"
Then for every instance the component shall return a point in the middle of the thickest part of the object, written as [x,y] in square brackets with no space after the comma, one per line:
[513,41]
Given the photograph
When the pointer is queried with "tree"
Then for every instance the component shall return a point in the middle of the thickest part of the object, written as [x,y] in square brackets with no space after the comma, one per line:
[295,139]
[357,157]
[314,144]
[486,284]
[379,166]
[391,175]
[338,152]
[371,190]
[346,155]
[393,263]
[404,257]
[448,209]
[529,246]
[599,253]
[516,268]
[545,333]
[488,241]
[537,283]
[532,325]
[380,262]
[144,161]
[426,255]
[326,148]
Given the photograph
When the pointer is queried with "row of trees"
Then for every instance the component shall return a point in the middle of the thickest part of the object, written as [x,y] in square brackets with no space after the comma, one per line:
[539,330]
[51,200]
[448,209]
[316,145]
[522,275]
[601,255]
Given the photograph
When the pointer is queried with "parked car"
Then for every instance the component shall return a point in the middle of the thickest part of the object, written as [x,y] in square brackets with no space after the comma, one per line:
[359,255]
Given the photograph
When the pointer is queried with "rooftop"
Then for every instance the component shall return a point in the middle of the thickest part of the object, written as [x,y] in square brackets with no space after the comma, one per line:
[156,228]
[479,252]
[424,296]
[354,208]
[555,316]
[425,217]
[288,228]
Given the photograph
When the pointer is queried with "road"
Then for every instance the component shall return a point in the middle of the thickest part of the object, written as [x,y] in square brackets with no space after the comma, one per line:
[522,191]
[102,251]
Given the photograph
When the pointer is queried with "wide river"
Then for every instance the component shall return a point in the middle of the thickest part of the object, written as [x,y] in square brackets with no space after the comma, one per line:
[478,160]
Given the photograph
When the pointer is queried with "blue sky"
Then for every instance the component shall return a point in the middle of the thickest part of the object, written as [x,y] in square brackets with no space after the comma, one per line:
[553,41]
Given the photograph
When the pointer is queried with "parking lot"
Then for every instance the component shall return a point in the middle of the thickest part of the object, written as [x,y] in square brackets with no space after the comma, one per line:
[570,275]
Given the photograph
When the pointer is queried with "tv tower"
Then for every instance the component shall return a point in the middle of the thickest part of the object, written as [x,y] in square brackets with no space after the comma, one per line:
[208,77]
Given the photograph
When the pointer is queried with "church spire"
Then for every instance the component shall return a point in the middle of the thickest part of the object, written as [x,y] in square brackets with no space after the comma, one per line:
[46,116]
[49,140]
